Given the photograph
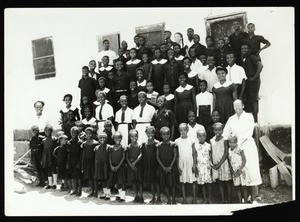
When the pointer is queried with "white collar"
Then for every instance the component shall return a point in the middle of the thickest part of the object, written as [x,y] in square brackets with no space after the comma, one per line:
[108,68]
[142,84]
[210,70]
[192,74]
[181,89]
[136,61]
[225,84]
[64,109]
[181,57]
[162,61]
[228,67]
[170,97]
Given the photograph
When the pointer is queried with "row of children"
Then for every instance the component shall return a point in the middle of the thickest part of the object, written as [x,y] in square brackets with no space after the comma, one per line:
[161,165]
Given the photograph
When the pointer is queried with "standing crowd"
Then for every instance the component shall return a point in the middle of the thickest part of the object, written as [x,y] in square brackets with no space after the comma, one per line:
[160,117]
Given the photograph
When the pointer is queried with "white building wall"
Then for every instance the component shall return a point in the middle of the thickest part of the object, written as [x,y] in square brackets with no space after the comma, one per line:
[74,34]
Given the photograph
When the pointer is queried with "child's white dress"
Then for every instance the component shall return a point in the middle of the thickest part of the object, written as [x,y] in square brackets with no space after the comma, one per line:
[235,159]
[203,163]
[223,173]
[185,151]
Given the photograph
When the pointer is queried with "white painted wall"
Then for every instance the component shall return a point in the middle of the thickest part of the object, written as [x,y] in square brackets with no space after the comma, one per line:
[74,34]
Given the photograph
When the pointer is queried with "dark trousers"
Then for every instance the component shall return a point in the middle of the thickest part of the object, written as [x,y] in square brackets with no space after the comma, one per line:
[36,158]
[204,117]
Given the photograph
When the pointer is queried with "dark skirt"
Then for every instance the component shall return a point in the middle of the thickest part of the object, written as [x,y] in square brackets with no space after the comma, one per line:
[168,179]
[117,178]
[61,169]
[134,176]
[74,171]
[101,171]
[182,111]
[88,168]
[204,117]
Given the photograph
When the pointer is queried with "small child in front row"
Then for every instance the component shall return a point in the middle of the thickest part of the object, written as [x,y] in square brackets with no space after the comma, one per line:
[88,159]
[101,166]
[166,155]
[220,166]
[239,171]
[150,164]
[186,161]
[133,159]
[203,160]
[117,172]
[108,129]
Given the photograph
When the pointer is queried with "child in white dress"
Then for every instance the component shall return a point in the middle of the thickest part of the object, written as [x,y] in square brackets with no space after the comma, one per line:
[186,161]
[203,173]
[220,165]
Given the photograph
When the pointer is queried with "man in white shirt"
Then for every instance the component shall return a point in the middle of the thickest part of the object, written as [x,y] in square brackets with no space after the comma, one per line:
[236,74]
[210,73]
[190,41]
[106,52]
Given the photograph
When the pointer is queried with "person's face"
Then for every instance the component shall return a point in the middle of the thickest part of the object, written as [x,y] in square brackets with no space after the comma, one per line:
[238,107]
[74,134]
[186,64]
[108,127]
[145,58]
[132,86]
[193,52]
[202,59]
[167,35]
[157,54]
[68,101]
[221,74]
[117,139]
[202,86]
[127,53]
[182,80]
[215,116]
[101,83]
[236,26]
[251,28]
[226,40]
[134,137]
[171,54]
[177,49]
[89,134]
[123,102]
[48,132]
[142,41]
[153,48]
[63,141]
[119,66]
[87,112]
[100,98]
[35,132]
[190,33]
[177,38]
[209,41]
[39,108]
[70,115]
[160,102]
[192,117]
[110,75]
[120,52]
[85,72]
[140,75]
[169,45]
[183,130]
[210,61]
[196,39]
[136,40]
[221,44]
[245,50]
[105,61]
[218,131]
[92,65]
[166,89]
[95,128]
[150,134]
[232,143]
[201,137]
[230,59]
[102,139]
[106,45]
[163,48]
[124,45]
[165,135]
[132,54]
[85,100]
[149,87]
[142,99]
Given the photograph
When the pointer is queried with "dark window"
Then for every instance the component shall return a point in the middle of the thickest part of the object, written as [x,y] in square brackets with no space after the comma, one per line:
[154,34]
[43,58]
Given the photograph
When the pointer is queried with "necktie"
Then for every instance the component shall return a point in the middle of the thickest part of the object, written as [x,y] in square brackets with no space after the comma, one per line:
[142,109]
[123,116]
[100,113]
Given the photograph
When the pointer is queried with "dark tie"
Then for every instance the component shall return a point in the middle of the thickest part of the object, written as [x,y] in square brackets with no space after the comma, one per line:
[142,109]
[123,116]
[100,113]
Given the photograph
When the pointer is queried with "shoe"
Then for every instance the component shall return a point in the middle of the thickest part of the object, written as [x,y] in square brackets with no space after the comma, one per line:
[121,200]
[136,200]
[102,196]
[107,197]
[118,198]
[54,187]
[48,187]
[141,200]
[78,194]
[152,201]
[95,195]
[91,194]
[158,201]
[42,184]
[74,192]
[62,187]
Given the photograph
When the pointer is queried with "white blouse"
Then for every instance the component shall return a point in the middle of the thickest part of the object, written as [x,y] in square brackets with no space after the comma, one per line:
[236,74]
[90,122]
[41,121]
[192,133]
[148,113]
[128,115]
[169,97]
[144,83]
[107,111]
[204,99]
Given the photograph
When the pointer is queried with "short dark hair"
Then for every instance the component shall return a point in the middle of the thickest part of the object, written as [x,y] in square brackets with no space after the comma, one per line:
[209,37]
[41,102]
[204,81]
[221,68]
[105,40]
[133,49]
[149,81]
[176,44]
[251,24]
[247,44]
[142,37]
[85,67]
[68,95]
[231,53]
[168,31]
[190,29]
[92,61]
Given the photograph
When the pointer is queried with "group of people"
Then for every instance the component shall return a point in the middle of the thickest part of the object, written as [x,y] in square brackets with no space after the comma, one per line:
[160,116]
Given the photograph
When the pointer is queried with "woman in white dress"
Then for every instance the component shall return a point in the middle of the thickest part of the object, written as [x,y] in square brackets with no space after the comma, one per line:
[241,124]
[40,119]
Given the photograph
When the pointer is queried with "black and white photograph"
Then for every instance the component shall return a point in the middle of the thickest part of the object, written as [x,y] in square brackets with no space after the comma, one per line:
[148,111]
